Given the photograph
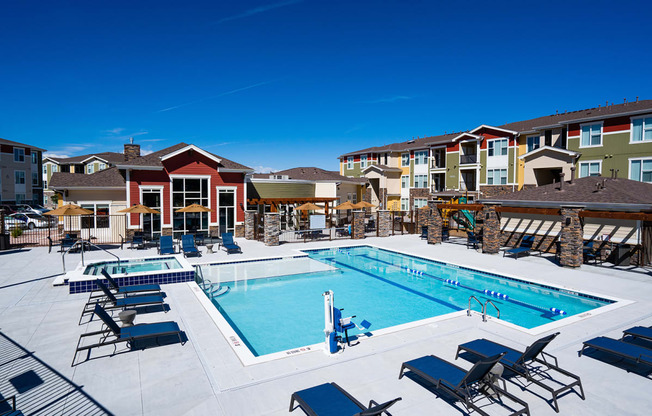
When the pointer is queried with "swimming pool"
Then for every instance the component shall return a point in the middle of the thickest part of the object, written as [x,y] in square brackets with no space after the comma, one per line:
[133,266]
[386,288]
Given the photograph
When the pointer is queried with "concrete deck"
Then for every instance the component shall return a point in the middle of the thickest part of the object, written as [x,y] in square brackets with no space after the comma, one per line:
[39,332]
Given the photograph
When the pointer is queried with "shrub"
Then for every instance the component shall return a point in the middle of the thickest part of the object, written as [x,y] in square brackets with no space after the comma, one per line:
[16,232]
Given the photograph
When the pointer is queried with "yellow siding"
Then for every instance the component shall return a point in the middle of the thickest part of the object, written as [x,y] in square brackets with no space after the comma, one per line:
[520,172]
[394,203]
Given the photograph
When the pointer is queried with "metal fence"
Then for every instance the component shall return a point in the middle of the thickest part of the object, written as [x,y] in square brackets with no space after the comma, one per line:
[322,234]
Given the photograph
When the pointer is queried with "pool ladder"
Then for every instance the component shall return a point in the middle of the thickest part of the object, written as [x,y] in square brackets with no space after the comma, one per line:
[484,308]
[211,289]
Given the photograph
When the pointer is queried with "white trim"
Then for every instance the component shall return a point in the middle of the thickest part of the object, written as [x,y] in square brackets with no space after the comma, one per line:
[601,123]
[234,170]
[584,162]
[629,166]
[217,207]
[191,147]
[128,181]
[137,167]
[94,157]
[631,129]
[161,189]
[551,148]
[609,133]
[473,136]
[486,126]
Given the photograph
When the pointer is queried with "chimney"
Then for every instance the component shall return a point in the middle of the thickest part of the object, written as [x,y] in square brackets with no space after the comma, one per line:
[637,98]
[132,151]
[572,175]
[561,181]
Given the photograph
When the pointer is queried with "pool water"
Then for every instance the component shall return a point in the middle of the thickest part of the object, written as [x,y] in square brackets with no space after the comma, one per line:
[385,288]
[133,266]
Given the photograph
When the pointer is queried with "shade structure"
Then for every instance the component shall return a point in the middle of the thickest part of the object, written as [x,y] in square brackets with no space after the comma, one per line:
[309,206]
[69,210]
[363,204]
[194,208]
[139,209]
[344,206]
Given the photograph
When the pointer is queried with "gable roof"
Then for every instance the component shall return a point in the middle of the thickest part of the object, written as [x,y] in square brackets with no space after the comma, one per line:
[110,157]
[382,168]
[550,149]
[107,178]
[420,143]
[17,144]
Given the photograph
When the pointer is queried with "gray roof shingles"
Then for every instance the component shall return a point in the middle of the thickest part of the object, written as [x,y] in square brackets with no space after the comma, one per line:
[110,177]
[312,174]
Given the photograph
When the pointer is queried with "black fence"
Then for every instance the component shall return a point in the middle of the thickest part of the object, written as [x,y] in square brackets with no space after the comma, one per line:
[98,229]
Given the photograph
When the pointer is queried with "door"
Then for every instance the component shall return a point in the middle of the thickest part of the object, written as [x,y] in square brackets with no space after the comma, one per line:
[152,222]
[226,209]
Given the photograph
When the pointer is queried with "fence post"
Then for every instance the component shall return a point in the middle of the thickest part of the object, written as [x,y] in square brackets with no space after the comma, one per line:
[357,228]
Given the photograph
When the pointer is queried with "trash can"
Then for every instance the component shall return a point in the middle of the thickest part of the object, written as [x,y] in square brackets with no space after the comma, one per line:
[5,243]
[623,255]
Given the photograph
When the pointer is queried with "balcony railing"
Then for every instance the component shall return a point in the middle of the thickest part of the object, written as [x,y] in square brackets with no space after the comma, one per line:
[466,159]
[438,164]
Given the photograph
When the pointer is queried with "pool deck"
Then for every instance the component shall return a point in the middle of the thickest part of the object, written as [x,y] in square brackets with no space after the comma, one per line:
[39,332]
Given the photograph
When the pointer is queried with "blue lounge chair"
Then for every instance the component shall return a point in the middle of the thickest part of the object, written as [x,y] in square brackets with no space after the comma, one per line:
[12,407]
[114,334]
[68,244]
[137,242]
[639,332]
[129,289]
[229,244]
[111,302]
[460,383]
[166,245]
[589,253]
[331,399]
[188,246]
[621,349]
[473,240]
[528,364]
[445,234]
[523,248]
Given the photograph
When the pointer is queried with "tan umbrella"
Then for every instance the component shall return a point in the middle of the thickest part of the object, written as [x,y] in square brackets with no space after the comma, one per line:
[194,208]
[363,204]
[69,210]
[344,206]
[309,206]
[139,209]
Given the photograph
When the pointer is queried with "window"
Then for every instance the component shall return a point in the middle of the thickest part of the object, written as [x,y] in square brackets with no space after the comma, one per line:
[421,157]
[19,154]
[19,175]
[55,168]
[353,197]
[20,198]
[497,147]
[100,217]
[363,161]
[640,170]
[385,162]
[34,178]
[45,184]
[349,162]
[589,169]
[89,168]
[420,202]
[439,158]
[45,169]
[533,143]
[151,197]
[226,209]
[548,137]
[420,181]
[405,204]
[591,135]
[642,129]
[186,191]
[34,157]
[102,166]
[405,159]
[496,176]
[405,181]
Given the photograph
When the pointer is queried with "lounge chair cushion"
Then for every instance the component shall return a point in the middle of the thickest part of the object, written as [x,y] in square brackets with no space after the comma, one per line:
[138,300]
[326,400]
[621,348]
[488,348]
[639,332]
[148,329]
[139,288]
[438,369]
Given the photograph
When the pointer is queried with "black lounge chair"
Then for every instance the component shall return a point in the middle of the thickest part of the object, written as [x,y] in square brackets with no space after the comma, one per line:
[642,332]
[331,399]
[137,242]
[229,244]
[121,303]
[114,334]
[589,253]
[521,363]
[523,248]
[129,289]
[473,240]
[459,383]
[620,349]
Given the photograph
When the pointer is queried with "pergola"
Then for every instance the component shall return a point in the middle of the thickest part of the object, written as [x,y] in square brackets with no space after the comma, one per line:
[275,202]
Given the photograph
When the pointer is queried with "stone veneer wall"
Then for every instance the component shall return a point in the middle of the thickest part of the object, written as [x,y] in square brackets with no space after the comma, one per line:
[357,228]
[571,237]
[491,235]
[384,223]
[418,193]
[490,191]
[272,228]
[239,230]
[166,231]
[434,223]
[250,223]
[422,218]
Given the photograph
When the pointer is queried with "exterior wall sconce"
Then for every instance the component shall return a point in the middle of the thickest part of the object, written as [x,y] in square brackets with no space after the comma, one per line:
[568,221]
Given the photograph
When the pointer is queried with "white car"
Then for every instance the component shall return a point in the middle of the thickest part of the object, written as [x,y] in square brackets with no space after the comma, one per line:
[32,208]
[26,220]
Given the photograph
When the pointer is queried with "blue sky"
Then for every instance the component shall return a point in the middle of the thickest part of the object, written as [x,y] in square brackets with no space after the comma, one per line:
[279,84]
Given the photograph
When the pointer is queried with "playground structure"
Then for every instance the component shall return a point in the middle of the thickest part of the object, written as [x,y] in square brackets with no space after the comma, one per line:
[458,218]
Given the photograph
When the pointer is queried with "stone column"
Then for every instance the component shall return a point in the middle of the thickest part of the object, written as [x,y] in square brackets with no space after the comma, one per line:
[250,223]
[384,223]
[435,223]
[357,228]
[572,237]
[239,230]
[491,230]
[272,228]
[422,219]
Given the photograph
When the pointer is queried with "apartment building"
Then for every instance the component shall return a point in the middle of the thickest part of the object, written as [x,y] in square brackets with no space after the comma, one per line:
[20,165]
[494,160]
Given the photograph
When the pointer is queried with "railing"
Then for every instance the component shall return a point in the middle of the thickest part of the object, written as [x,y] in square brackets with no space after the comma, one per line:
[81,245]
[321,234]
[468,311]
[212,290]
[466,159]
[441,164]
[484,310]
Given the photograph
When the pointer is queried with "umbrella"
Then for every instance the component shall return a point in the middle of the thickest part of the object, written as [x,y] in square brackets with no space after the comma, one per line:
[345,205]
[363,204]
[194,208]
[69,210]
[140,209]
[309,206]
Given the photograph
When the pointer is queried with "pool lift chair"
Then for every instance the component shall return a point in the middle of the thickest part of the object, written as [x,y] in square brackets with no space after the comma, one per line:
[343,325]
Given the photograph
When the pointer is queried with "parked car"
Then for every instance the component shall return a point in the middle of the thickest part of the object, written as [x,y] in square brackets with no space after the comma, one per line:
[26,220]
[34,208]
[9,209]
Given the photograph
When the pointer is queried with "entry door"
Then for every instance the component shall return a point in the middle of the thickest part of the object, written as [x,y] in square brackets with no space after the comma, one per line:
[152,222]
[226,209]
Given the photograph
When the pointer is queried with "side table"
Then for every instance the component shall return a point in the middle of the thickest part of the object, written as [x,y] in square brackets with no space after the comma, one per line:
[209,249]
[127,317]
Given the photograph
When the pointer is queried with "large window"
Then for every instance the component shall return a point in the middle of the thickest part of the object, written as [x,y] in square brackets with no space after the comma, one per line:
[34,178]
[420,181]
[591,135]
[496,176]
[226,209]
[421,157]
[405,181]
[187,191]
[19,176]
[405,204]
[420,202]
[363,161]
[497,147]
[100,217]
[405,159]
[19,154]
[34,157]
[640,170]
[152,222]
[532,143]
[439,158]
[589,169]
[642,129]
[349,162]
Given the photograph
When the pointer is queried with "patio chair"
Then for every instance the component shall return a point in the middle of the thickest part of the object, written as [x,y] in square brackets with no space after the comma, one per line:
[188,246]
[424,232]
[68,244]
[199,239]
[445,234]
[12,411]
[331,399]
[524,247]
[589,253]
[473,240]
[129,289]
[137,242]
[111,302]
[642,332]
[114,334]
[166,245]
[620,349]
[459,383]
[229,244]
[527,364]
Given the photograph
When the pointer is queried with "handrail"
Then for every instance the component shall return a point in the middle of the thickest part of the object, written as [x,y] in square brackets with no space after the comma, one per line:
[484,310]
[81,242]
[468,311]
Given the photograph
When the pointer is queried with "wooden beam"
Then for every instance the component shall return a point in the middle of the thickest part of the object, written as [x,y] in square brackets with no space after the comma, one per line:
[617,215]
[467,207]
[526,210]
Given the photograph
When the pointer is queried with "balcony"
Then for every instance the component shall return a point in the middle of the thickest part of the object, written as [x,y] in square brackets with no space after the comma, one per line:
[467,159]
